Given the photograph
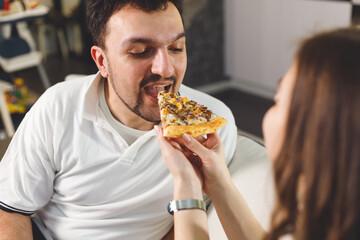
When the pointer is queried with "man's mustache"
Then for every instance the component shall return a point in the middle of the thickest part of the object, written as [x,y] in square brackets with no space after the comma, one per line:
[155,78]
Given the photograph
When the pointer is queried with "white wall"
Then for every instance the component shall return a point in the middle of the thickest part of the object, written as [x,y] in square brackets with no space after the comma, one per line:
[261,37]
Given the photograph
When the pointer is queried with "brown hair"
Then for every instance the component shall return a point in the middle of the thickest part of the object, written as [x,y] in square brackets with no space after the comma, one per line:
[100,11]
[322,143]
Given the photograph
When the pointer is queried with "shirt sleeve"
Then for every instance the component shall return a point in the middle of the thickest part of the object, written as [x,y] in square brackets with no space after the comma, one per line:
[26,172]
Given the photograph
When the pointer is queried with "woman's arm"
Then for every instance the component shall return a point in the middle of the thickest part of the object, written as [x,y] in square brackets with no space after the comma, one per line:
[236,218]
[188,224]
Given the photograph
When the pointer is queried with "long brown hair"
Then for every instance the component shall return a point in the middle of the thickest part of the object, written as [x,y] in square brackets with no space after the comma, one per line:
[322,143]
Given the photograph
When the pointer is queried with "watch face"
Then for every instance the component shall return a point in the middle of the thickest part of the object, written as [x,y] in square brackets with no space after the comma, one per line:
[169,209]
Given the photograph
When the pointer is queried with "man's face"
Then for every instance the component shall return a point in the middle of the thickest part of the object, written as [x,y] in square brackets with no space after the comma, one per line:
[144,54]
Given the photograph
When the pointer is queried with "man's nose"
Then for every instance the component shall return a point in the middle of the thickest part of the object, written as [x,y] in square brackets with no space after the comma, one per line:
[162,64]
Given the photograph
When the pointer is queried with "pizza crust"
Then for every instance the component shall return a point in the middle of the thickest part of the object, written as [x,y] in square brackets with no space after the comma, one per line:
[176,131]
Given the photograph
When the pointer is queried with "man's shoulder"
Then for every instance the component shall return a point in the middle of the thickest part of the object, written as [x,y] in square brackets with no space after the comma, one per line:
[67,95]
[70,89]
[74,84]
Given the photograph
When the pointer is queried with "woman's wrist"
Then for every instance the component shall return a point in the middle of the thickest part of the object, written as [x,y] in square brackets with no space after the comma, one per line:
[187,188]
[220,184]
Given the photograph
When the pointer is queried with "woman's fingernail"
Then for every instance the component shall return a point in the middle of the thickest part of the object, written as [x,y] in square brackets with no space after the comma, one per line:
[187,138]
[157,128]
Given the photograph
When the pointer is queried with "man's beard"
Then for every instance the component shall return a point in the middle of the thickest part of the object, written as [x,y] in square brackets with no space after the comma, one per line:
[137,109]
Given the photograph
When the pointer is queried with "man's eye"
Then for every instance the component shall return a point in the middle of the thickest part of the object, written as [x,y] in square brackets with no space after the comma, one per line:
[140,54]
[176,49]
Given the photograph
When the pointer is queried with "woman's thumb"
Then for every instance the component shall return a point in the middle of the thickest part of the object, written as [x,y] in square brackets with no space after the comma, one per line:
[194,146]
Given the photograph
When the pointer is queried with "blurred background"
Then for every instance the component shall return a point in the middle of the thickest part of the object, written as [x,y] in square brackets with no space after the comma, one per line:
[237,50]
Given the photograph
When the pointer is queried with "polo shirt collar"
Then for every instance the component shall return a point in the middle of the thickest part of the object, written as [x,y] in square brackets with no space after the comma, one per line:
[90,107]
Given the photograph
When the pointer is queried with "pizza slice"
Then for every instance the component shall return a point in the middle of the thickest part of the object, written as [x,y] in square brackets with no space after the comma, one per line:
[180,115]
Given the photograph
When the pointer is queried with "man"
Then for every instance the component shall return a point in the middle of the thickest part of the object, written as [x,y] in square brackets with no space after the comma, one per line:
[85,162]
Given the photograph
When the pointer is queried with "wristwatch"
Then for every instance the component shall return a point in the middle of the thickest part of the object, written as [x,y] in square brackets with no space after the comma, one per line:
[178,205]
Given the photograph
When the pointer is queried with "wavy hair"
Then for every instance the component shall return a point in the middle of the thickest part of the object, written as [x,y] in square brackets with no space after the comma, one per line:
[322,143]
[100,11]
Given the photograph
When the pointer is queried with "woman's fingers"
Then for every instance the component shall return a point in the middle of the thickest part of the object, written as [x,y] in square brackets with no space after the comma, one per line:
[173,150]
[183,164]
[201,139]
[176,145]
[213,141]
[205,149]
[164,144]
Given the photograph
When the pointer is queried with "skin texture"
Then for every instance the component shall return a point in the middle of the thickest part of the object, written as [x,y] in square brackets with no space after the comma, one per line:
[15,226]
[142,50]
[275,118]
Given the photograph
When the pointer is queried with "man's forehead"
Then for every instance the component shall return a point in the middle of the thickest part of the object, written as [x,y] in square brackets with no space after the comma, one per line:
[130,14]
[132,25]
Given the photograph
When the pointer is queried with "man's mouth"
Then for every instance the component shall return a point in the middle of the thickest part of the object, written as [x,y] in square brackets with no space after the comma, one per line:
[153,90]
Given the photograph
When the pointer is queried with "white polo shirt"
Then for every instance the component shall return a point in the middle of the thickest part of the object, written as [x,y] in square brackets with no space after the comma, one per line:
[68,165]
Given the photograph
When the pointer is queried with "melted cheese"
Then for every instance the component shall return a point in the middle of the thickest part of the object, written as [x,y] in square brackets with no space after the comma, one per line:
[176,110]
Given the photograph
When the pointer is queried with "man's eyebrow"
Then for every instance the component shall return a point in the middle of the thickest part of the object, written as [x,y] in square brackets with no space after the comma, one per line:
[180,35]
[149,40]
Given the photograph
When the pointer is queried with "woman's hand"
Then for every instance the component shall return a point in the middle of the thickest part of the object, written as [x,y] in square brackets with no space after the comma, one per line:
[187,157]
[235,216]
[213,165]
[187,177]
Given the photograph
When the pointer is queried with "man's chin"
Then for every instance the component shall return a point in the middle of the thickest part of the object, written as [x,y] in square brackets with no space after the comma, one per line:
[147,110]
[154,119]
[150,119]
[153,116]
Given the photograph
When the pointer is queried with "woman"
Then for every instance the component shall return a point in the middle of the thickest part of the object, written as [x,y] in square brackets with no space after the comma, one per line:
[312,135]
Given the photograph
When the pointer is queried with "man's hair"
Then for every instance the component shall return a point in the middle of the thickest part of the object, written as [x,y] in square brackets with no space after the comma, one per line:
[100,11]
[321,144]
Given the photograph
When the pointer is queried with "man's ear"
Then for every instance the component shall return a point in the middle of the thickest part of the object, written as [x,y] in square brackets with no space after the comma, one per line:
[99,58]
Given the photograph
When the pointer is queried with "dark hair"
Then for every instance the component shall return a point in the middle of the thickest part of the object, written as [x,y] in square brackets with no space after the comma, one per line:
[100,11]
[322,143]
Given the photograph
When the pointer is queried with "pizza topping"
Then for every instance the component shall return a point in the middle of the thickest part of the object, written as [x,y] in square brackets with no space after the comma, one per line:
[178,110]
[180,115]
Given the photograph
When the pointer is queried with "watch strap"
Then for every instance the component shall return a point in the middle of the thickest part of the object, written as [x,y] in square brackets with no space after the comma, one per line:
[187,204]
